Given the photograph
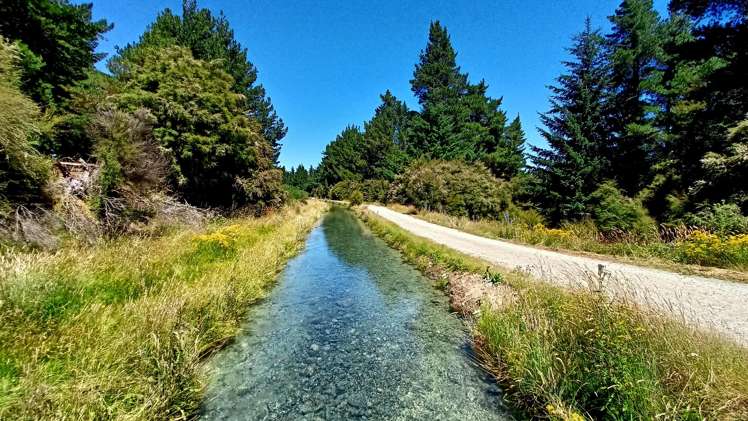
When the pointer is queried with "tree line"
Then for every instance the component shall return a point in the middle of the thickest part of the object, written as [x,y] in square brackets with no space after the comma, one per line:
[652,113]
[179,112]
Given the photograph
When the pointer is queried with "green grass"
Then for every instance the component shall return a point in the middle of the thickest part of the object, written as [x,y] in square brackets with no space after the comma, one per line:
[120,331]
[688,251]
[563,354]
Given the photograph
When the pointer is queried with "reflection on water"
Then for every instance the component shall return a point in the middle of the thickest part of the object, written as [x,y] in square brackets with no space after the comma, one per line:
[351,332]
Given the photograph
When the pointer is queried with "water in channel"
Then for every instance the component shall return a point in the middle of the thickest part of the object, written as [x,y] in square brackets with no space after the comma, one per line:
[351,332]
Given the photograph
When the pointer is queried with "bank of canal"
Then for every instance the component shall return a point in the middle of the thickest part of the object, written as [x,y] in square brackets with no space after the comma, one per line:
[351,332]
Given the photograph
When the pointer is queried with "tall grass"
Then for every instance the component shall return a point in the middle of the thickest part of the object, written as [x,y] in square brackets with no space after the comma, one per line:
[670,247]
[119,331]
[576,354]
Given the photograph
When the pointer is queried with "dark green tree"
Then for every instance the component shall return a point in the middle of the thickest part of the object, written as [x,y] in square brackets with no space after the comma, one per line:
[209,38]
[57,41]
[342,159]
[437,76]
[458,120]
[385,141]
[507,158]
[635,54]
[574,164]
[218,155]
[712,65]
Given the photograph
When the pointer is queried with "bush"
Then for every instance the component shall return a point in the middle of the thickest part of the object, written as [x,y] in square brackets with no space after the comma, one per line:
[23,171]
[706,248]
[261,192]
[375,190]
[219,156]
[127,153]
[615,214]
[356,198]
[344,189]
[453,187]
[720,218]
[295,193]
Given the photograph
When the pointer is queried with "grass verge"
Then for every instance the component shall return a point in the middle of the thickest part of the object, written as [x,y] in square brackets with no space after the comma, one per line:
[119,331]
[574,355]
[689,252]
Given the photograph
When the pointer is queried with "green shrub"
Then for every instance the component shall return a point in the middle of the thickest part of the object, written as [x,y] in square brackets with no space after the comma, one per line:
[356,198]
[615,214]
[375,190]
[295,193]
[219,156]
[453,187]
[127,153]
[527,217]
[344,189]
[23,171]
[720,218]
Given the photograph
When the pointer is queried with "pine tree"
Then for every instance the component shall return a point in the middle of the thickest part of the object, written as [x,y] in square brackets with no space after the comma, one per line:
[437,77]
[385,140]
[209,38]
[458,120]
[57,44]
[572,168]
[635,54]
[508,157]
[709,92]
[342,159]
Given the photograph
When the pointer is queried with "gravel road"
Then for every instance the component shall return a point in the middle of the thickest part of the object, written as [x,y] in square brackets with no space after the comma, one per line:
[705,302]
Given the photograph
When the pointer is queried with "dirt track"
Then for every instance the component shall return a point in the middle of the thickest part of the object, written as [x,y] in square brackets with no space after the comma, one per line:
[706,302]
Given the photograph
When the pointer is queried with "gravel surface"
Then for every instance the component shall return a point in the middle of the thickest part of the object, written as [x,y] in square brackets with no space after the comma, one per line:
[705,302]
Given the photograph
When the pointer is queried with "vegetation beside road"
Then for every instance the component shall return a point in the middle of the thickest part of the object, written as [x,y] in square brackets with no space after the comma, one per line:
[120,330]
[682,251]
[646,131]
[576,354]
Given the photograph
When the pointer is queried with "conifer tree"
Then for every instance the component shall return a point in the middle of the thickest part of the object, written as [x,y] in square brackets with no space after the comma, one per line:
[573,166]
[385,141]
[209,38]
[635,54]
[57,43]
[458,120]
[437,76]
[508,157]
[342,158]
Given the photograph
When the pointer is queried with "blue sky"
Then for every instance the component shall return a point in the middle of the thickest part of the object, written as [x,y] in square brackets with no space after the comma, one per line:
[324,63]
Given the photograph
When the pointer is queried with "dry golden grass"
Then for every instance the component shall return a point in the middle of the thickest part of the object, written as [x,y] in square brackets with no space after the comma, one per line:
[119,331]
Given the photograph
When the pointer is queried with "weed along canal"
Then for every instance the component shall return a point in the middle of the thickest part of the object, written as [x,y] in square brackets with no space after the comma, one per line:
[351,332]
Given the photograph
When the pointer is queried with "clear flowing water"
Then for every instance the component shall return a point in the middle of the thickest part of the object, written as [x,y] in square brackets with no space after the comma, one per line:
[351,332]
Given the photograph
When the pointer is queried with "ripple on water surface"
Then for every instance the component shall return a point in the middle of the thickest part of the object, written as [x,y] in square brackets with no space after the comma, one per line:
[351,332]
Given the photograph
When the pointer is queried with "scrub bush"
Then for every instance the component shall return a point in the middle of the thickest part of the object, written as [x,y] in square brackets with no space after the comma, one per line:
[720,218]
[615,214]
[454,187]
[23,171]
[344,189]
[375,190]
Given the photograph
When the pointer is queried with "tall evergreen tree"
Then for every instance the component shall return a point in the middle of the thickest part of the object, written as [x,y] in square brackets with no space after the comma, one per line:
[57,43]
[458,120]
[712,65]
[385,140]
[342,158]
[573,166]
[635,53]
[437,76]
[209,38]
[507,158]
